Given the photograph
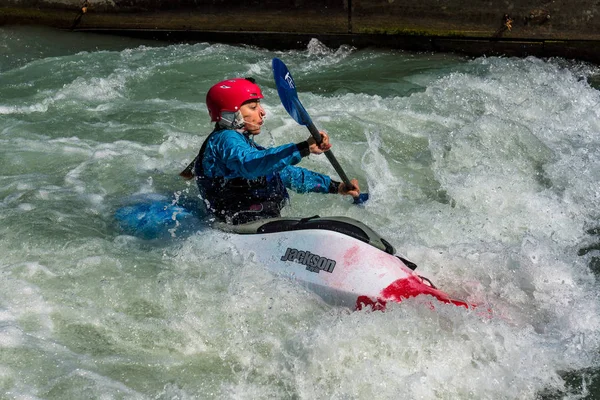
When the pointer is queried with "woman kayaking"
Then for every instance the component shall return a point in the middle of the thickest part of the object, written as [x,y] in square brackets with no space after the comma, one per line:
[241,181]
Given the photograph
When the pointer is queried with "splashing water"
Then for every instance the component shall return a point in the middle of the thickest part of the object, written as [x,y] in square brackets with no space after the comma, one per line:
[484,172]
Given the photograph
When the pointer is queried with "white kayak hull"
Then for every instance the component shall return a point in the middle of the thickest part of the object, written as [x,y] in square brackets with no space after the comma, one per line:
[342,269]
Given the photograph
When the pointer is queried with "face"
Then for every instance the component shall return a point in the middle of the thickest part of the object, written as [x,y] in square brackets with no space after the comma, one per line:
[253,115]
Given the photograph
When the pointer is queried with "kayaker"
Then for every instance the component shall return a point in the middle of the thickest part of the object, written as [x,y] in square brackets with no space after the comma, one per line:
[241,181]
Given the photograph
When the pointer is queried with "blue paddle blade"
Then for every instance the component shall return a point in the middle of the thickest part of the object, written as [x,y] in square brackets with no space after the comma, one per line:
[286,87]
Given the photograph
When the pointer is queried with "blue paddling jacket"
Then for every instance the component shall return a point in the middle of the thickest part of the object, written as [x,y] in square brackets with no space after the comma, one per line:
[241,181]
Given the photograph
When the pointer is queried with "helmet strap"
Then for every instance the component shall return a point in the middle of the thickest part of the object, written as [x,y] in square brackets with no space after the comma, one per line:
[231,120]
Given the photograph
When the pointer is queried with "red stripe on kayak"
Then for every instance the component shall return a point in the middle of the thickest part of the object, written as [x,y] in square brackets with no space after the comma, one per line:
[405,288]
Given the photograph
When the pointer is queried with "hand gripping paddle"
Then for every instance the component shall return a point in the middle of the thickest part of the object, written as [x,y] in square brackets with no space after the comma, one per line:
[289,98]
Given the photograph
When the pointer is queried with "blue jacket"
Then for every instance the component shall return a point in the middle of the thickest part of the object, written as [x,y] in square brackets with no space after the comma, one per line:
[235,175]
[230,154]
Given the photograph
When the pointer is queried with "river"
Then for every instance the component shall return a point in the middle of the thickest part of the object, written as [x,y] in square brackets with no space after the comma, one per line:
[485,172]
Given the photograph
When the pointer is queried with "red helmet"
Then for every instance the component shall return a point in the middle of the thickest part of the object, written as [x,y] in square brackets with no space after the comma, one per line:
[229,95]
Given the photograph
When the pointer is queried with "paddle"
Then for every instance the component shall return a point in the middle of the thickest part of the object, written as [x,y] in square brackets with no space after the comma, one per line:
[289,98]
[188,172]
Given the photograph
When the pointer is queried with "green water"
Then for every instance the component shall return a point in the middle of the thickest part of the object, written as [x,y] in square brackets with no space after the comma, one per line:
[483,171]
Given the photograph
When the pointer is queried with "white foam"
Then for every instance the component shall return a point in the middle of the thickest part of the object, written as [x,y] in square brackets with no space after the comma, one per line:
[486,178]
[34,108]
[10,337]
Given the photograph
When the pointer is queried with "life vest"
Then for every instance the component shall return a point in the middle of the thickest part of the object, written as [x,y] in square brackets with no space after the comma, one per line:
[238,200]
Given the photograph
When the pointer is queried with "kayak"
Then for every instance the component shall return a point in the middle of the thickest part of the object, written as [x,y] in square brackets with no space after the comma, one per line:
[340,259]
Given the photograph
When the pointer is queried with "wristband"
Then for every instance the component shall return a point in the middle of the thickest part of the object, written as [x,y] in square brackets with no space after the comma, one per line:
[334,187]
[303,148]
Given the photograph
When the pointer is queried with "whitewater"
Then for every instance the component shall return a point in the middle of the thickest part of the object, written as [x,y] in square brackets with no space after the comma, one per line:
[483,171]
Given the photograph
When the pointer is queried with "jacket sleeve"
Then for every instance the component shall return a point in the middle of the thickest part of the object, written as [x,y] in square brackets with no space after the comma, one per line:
[302,180]
[249,162]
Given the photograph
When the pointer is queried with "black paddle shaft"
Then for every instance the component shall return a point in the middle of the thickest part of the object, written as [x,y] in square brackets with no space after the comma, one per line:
[338,168]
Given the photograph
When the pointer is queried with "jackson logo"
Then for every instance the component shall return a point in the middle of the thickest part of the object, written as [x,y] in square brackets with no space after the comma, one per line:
[313,262]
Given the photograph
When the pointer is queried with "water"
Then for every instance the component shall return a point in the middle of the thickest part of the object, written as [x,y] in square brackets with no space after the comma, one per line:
[483,171]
